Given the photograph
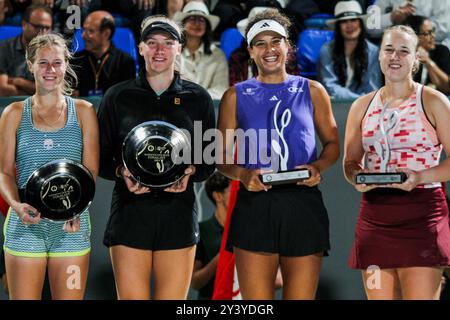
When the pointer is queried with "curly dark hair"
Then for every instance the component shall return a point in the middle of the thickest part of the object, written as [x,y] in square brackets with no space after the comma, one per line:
[359,57]
[270,14]
[216,182]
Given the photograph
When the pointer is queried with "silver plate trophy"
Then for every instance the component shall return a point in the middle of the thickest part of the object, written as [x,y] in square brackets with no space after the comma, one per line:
[384,152]
[153,152]
[285,177]
[60,190]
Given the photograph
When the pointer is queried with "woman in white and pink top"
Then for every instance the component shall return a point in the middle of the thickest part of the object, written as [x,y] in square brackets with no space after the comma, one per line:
[402,237]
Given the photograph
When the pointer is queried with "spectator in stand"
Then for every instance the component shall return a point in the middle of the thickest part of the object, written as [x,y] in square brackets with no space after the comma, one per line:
[229,12]
[59,9]
[174,6]
[435,58]
[241,68]
[65,17]
[348,66]
[217,188]
[5,8]
[396,11]
[19,6]
[135,10]
[201,61]
[101,65]
[300,10]
[15,77]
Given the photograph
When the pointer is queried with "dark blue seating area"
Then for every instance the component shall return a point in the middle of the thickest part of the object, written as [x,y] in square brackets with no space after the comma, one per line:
[308,44]
[308,50]
[9,31]
[230,40]
[318,20]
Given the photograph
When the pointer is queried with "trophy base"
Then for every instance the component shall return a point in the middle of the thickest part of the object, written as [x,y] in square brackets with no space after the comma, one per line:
[285,177]
[381,178]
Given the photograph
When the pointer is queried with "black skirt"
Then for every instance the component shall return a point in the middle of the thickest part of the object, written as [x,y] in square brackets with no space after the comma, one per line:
[153,221]
[289,220]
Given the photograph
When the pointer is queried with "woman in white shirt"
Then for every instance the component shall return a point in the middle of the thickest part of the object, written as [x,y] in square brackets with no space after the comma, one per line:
[201,61]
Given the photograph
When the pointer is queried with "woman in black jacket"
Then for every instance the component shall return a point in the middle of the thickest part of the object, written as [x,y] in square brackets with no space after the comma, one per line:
[153,230]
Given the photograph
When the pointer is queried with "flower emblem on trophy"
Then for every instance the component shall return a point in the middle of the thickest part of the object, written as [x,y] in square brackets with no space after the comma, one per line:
[284,176]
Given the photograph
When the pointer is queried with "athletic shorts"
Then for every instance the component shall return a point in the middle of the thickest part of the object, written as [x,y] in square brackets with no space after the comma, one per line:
[152,221]
[289,220]
[45,239]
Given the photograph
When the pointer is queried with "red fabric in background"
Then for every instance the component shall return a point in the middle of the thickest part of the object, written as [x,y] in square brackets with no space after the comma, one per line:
[3,206]
[223,285]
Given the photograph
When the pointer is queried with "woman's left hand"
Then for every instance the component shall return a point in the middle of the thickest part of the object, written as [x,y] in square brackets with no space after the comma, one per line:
[315,177]
[181,185]
[411,182]
[72,226]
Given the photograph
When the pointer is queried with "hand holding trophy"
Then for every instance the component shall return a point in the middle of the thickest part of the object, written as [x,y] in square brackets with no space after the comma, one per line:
[60,190]
[153,153]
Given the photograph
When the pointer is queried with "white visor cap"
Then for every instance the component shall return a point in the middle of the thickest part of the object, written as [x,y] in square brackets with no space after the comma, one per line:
[265,25]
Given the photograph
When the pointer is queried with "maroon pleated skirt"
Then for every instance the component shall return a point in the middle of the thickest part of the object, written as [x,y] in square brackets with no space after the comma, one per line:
[398,229]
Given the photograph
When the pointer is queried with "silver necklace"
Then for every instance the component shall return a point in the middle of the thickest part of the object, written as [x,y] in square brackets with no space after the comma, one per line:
[51,125]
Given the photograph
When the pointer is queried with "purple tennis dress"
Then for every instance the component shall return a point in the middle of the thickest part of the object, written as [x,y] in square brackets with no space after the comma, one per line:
[285,111]
[277,121]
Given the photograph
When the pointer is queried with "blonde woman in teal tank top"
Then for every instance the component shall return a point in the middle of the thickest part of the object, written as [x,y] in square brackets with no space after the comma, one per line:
[47,126]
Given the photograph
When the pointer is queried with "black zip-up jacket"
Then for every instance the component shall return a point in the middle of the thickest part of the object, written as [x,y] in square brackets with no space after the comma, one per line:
[133,102]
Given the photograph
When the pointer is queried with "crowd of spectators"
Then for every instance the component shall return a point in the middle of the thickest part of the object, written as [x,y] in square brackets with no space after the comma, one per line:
[348,65]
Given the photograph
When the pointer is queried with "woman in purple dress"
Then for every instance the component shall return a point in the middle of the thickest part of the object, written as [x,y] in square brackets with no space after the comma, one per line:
[280,114]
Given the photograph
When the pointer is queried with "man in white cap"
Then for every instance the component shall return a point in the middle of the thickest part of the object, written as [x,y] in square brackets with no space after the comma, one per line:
[201,61]
[348,66]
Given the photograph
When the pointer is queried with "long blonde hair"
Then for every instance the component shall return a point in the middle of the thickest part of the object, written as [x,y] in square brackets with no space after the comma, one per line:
[54,40]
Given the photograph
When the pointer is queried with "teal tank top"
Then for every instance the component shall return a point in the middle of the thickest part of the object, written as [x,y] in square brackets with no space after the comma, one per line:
[35,147]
